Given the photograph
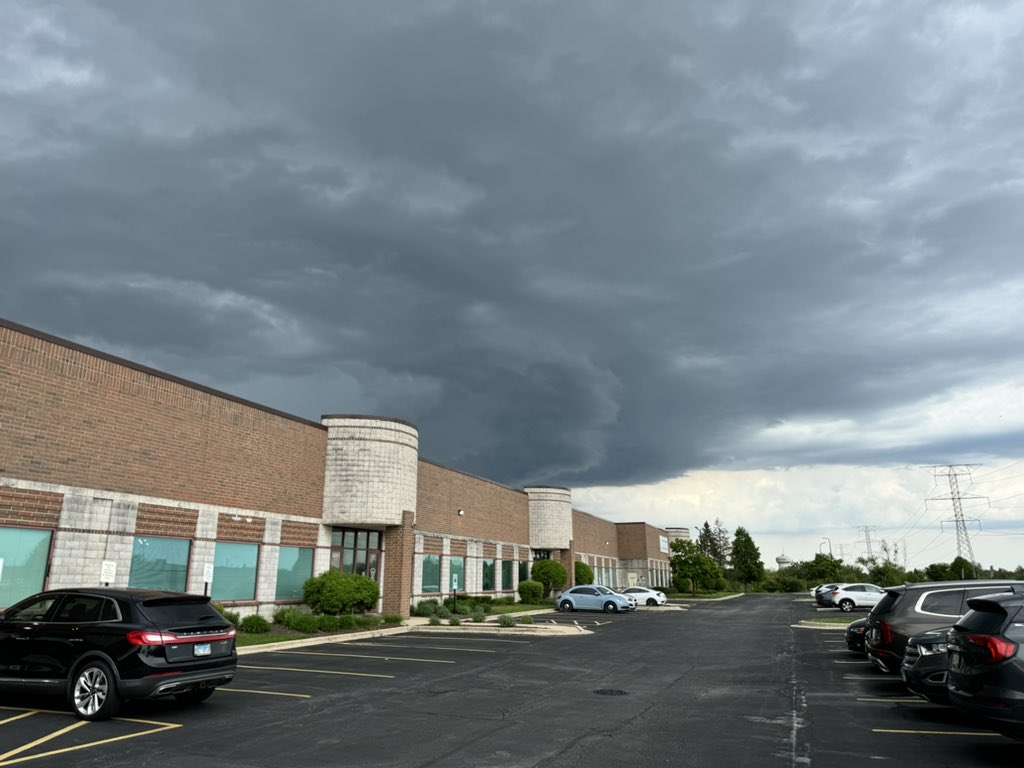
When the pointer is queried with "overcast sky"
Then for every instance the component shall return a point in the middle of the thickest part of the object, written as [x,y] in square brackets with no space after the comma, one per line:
[692,259]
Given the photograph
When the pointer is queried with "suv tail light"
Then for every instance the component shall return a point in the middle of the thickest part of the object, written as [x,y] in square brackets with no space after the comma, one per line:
[886,629]
[997,648]
[153,637]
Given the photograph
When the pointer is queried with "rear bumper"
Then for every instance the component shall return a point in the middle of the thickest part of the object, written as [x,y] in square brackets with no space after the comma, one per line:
[168,684]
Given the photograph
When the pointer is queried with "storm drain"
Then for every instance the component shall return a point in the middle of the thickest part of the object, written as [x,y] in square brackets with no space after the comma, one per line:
[611,692]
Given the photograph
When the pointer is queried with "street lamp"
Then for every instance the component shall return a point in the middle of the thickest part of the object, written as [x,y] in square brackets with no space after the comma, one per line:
[826,538]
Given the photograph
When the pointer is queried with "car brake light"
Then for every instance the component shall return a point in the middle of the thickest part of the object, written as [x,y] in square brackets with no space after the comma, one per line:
[998,648]
[153,637]
[886,630]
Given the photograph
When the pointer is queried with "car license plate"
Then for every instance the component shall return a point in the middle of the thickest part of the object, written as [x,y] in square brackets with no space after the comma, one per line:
[202,649]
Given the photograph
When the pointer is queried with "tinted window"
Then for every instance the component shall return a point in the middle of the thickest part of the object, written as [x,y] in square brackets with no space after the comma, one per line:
[170,613]
[34,610]
[855,588]
[82,608]
[585,591]
[986,622]
[886,604]
[947,603]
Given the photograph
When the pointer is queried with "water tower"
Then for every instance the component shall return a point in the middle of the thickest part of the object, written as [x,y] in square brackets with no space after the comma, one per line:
[783,561]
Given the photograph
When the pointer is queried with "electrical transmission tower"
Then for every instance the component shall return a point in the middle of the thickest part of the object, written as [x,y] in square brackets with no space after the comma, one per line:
[963,540]
[867,538]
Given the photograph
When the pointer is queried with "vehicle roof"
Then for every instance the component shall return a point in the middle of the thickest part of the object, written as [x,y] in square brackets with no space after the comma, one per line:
[958,583]
[128,593]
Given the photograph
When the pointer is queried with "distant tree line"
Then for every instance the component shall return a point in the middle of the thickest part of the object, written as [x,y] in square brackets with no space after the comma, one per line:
[715,562]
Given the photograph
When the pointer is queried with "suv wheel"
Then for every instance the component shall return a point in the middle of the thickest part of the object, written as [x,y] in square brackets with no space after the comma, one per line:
[94,691]
[846,605]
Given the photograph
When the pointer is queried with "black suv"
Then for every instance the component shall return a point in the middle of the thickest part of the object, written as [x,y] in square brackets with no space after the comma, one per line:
[99,647]
[986,662]
[915,609]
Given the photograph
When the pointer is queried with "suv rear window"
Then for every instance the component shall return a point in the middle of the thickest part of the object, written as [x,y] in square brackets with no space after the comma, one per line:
[175,612]
[886,604]
[986,622]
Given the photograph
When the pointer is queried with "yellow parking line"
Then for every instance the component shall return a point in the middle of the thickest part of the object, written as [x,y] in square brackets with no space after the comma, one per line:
[316,671]
[19,717]
[366,656]
[43,740]
[266,693]
[426,647]
[161,727]
[937,733]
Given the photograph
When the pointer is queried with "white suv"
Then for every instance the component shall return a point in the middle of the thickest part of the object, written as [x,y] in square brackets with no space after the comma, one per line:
[846,597]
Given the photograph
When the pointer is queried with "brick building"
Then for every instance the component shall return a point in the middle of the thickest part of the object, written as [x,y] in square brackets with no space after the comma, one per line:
[114,472]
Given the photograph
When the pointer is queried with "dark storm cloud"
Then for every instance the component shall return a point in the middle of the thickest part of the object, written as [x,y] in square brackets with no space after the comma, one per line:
[589,244]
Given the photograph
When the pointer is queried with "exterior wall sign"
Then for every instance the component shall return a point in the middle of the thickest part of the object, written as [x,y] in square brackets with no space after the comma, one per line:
[663,543]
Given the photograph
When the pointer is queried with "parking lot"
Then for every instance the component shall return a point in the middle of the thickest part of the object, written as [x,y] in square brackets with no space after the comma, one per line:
[738,682]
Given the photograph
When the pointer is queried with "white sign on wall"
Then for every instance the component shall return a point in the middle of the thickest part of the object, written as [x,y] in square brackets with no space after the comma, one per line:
[663,542]
[208,573]
[1,569]
[108,572]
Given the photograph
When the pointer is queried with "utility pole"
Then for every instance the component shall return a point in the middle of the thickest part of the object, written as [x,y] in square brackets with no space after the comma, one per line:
[867,537]
[963,540]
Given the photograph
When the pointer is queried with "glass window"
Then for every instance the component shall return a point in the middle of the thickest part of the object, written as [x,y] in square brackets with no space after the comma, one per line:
[457,575]
[159,564]
[431,574]
[34,610]
[524,570]
[506,574]
[356,552]
[23,556]
[234,571]
[488,576]
[946,603]
[294,567]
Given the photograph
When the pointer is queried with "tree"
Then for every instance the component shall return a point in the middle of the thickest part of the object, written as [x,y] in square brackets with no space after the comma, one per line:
[962,568]
[584,573]
[746,558]
[551,574]
[691,568]
[823,568]
[714,542]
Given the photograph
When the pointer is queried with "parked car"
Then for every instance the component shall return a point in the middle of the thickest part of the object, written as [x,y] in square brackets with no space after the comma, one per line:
[646,596]
[823,595]
[848,597]
[986,662]
[594,597]
[100,647]
[914,609]
[855,635]
[925,664]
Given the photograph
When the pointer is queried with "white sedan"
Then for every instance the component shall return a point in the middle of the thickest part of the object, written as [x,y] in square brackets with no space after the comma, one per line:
[645,596]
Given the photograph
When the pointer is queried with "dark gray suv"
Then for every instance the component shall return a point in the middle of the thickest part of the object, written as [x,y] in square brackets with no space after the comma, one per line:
[914,609]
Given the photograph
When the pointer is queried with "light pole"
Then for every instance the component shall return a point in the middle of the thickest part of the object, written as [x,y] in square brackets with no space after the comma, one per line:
[826,538]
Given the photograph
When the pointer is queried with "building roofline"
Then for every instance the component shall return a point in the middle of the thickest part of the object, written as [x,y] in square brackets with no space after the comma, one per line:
[369,417]
[470,474]
[17,327]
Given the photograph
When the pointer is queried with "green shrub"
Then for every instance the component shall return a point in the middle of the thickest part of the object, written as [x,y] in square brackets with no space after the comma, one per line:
[231,616]
[348,621]
[329,623]
[551,574]
[281,615]
[531,591]
[584,573]
[426,608]
[392,620]
[334,592]
[464,607]
[790,584]
[371,621]
[434,621]
[254,624]
[455,621]
[479,617]
[443,612]
[506,620]
[526,619]
[305,623]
